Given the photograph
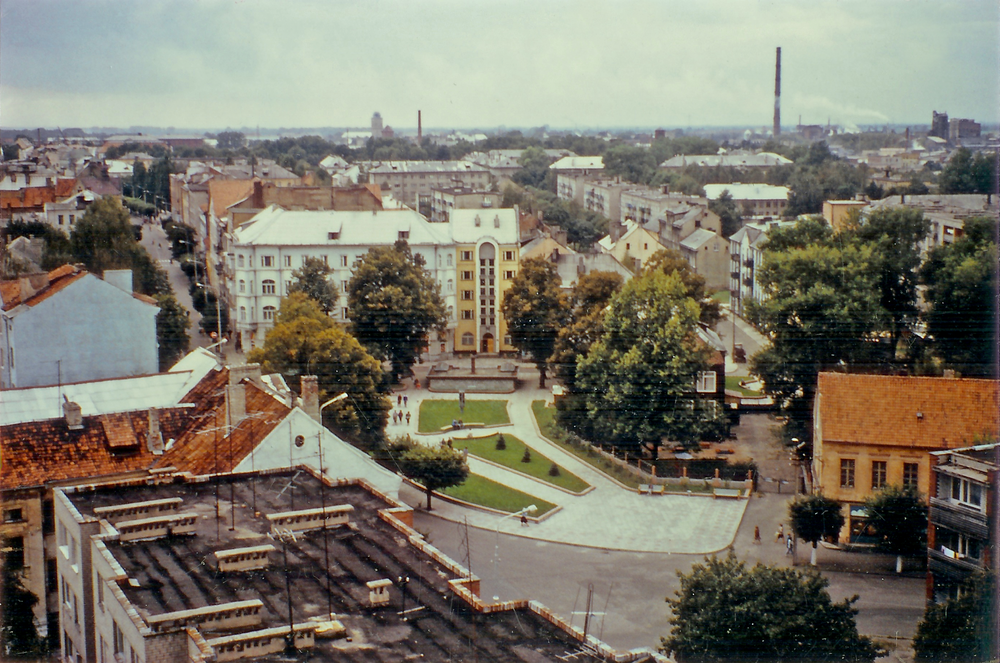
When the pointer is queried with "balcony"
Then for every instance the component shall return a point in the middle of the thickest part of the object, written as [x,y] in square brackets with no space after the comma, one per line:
[958,518]
[955,569]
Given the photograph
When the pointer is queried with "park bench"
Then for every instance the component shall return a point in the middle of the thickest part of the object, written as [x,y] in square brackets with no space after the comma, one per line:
[727,493]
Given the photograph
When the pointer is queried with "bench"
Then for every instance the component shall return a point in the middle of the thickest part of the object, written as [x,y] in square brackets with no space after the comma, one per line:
[727,493]
[644,488]
[465,426]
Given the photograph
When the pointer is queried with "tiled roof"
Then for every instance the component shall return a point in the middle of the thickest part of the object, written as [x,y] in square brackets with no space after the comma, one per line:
[922,412]
[59,279]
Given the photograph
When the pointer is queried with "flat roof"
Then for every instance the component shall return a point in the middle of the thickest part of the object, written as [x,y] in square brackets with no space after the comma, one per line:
[176,573]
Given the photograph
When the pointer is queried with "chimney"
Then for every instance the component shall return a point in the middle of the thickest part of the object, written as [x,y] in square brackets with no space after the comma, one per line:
[258,194]
[119,278]
[154,439]
[666,189]
[237,395]
[73,414]
[247,371]
[309,392]
[420,128]
[616,230]
[31,284]
[777,94]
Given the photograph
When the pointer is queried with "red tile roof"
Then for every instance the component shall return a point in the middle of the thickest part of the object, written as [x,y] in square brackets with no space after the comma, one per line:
[922,412]
[35,197]
[59,279]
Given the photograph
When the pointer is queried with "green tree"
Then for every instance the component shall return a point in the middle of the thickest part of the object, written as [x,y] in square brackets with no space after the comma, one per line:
[313,279]
[959,630]
[728,212]
[394,304]
[590,297]
[231,140]
[535,309]
[172,324]
[814,517]
[725,611]
[633,164]
[957,175]
[103,239]
[671,261]
[899,517]
[534,167]
[637,381]
[961,280]
[17,625]
[305,341]
[434,467]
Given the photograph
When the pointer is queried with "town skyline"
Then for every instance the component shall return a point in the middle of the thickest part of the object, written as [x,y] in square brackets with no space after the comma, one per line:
[237,65]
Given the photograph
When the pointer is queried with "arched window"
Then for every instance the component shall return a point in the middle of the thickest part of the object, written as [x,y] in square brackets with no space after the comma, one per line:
[451,286]
[267,287]
[449,260]
[243,285]
[269,312]
[239,260]
[468,339]
[243,314]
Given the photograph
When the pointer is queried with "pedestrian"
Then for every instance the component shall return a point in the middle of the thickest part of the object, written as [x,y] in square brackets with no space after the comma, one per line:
[756,534]
[416,383]
[788,545]
[406,401]
[780,533]
[524,520]
[394,416]
[407,418]
[399,399]
[400,416]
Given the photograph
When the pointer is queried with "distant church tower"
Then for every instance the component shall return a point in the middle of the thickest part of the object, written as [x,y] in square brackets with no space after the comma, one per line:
[377,125]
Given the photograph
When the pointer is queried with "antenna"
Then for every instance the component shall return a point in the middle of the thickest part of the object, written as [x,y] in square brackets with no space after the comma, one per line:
[777,94]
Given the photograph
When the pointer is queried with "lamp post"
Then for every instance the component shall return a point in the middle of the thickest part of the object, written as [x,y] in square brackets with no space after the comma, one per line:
[218,305]
[496,550]
[322,495]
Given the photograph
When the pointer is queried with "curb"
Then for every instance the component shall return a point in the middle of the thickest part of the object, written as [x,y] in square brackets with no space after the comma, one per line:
[543,482]
[478,507]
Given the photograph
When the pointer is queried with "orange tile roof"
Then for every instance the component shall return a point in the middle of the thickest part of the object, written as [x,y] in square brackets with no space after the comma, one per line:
[59,279]
[38,452]
[883,410]
[28,198]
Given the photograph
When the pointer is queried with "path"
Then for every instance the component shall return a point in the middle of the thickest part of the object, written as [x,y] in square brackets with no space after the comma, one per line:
[609,517]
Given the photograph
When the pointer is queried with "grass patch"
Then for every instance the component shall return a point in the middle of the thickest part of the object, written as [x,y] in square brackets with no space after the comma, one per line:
[733,384]
[545,416]
[538,467]
[484,492]
[436,413]
[721,296]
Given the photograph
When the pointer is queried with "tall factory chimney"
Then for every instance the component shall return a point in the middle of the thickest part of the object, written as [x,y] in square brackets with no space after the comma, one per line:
[777,94]
[420,128]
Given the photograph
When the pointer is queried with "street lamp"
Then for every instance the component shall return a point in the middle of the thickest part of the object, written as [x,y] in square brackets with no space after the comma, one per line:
[322,495]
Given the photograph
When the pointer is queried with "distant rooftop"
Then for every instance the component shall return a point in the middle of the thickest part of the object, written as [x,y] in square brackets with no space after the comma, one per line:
[425,167]
[736,160]
[747,191]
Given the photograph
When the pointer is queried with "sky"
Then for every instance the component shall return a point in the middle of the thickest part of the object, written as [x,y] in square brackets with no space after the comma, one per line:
[574,64]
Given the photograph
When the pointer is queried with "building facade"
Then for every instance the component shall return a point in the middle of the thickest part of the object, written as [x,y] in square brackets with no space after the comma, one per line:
[410,182]
[756,201]
[444,200]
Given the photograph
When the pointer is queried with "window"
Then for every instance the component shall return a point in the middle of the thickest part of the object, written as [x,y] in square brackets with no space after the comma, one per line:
[343,287]
[467,314]
[239,260]
[449,258]
[243,285]
[910,471]
[508,255]
[467,337]
[967,492]
[60,219]
[12,515]
[467,295]
[509,274]
[269,312]
[507,340]
[466,255]
[466,276]
[404,234]
[451,286]
[343,312]
[51,577]
[243,314]
[333,235]
[72,218]
[343,261]
[288,261]
[119,638]
[288,287]
[878,474]
[628,245]
[706,382]
[100,590]
[267,287]
[847,473]
[267,261]
[645,246]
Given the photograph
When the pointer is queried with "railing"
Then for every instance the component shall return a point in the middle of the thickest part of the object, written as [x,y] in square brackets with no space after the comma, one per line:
[958,518]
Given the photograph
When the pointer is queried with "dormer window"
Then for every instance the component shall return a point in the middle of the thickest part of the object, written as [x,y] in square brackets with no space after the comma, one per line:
[333,235]
[479,221]
[404,234]
[496,221]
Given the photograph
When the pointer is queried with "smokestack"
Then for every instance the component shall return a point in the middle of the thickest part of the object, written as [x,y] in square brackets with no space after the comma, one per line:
[420,128]
[777,94]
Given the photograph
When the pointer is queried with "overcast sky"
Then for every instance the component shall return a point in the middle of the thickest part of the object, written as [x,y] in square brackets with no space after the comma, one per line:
[467,63]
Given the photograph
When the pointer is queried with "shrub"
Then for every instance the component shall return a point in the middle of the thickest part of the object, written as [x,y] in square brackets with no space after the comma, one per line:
[501,443]
[553,470]
[526,458]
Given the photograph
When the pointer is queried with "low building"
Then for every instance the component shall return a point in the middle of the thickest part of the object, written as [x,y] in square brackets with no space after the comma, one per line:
[757,201]
[67,325]
[630,244]
[65,213]
[410,182]
[319,570]
[946,212]
[961,536]
[569,264]
[871,431]
[603,195]
[446,199]
[761,161]
[708,254]
[837,212]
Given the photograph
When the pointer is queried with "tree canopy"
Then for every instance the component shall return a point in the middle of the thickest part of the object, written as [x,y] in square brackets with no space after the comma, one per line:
[434,467]
[394,305]
[961,280]
[968,173]
[728,212]
[172,323]
[726,611]
[814,517]
[899,517]
[305,341]
[671,261]
[312,279]
[959,630]
[535,309]
[18,636]
[637,381]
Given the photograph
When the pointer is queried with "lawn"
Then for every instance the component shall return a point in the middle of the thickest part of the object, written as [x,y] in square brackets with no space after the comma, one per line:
[721,296]
[538,467]
[480,490]
[545,416]
[436,413]
[733,384]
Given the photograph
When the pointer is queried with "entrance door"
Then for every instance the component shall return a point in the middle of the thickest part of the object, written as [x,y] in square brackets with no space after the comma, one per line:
[487,343]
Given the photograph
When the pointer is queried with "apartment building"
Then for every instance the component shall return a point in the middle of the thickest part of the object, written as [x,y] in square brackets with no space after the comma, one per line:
[411,181]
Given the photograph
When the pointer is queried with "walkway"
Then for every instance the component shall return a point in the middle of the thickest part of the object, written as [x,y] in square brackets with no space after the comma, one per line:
[609,517]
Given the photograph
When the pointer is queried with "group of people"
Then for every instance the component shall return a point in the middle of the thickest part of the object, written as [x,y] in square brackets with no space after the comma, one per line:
[778,537]
[398,416]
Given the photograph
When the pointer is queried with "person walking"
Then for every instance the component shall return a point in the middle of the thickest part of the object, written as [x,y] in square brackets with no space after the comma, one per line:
[399,399]
[788,545]
[756,534]
[407,418]
[406,400]
[780,534]
[393,416]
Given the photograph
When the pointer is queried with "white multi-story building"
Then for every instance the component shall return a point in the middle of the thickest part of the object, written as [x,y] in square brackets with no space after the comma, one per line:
[745,253]
[758,201]
[264,253]
[411,181]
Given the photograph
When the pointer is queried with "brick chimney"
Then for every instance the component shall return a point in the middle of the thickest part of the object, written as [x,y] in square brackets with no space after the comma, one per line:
[616,229]
[31,284]
[154,438]
[237,391]
[310,395]
[73,414]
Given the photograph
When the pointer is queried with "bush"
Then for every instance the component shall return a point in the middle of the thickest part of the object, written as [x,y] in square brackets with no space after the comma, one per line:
[501,443]
[553,470]
[526,458]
